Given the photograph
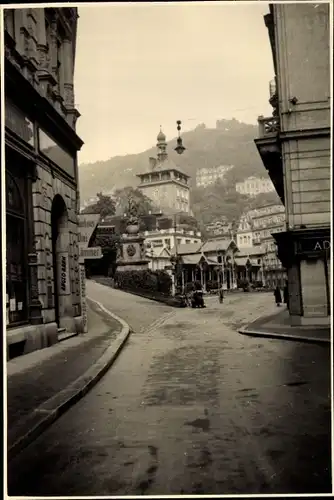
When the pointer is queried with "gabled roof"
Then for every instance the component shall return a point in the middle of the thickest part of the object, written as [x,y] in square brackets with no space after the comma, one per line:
[217,244]
[159,252]
[241,261]
[187,248]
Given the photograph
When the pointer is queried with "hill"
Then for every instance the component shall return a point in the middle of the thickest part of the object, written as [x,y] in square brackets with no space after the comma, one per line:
[230,143]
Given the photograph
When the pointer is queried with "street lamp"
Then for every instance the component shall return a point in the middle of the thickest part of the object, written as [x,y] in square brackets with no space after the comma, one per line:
[179,148]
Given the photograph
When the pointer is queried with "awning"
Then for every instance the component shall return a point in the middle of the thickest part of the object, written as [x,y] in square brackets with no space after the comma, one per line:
[241,261]
[191,259]
[212,261]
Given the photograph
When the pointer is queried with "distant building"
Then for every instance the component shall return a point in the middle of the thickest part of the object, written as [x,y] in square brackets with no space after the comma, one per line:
[170,238]
[206,176]
[219,227]
[295,147]
[255,229]
[268,221]
[245,232]
[254,186]
[165,183]
[42,193]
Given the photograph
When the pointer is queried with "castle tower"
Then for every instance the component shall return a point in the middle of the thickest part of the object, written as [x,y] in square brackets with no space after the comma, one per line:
[165,183]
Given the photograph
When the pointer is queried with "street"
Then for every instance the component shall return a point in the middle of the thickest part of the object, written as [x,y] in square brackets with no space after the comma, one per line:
[190,407]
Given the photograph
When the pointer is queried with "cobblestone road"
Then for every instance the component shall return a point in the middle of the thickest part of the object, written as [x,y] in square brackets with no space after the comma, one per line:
[191,407]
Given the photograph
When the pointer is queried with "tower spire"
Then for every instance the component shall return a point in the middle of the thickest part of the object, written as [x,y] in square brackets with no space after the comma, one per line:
[162,146]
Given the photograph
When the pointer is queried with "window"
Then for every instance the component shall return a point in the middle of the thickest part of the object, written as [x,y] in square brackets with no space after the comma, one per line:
[9,15]
[188,241]
[167,242]
[16,268]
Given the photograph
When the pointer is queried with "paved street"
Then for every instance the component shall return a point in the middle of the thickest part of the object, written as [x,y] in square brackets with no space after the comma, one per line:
[191,407]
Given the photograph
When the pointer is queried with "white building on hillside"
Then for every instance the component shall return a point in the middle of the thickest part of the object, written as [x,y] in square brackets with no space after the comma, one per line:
[209,175]
[254,186]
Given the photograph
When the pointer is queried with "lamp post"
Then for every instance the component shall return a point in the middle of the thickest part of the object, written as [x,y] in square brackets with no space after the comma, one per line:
[179,147]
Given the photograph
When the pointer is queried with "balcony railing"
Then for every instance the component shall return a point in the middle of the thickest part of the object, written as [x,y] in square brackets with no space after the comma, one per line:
[268,127]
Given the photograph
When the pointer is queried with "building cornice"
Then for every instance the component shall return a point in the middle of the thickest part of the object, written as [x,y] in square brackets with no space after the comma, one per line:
[38,108]
[304,134]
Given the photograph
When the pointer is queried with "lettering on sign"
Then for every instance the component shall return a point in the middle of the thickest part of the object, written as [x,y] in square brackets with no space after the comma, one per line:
[63,274]
[322,245]
[63,270]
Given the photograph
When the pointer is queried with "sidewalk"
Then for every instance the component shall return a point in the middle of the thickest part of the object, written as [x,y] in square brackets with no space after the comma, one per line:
[278,326]
[43,384]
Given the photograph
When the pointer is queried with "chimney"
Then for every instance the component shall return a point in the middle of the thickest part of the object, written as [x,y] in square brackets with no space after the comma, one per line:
[153,162]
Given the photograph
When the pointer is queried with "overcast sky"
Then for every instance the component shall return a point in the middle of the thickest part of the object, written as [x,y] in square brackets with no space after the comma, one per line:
[139,66]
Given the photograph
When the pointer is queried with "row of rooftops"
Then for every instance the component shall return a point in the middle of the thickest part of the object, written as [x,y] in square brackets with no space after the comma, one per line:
[216,246]
[194,253]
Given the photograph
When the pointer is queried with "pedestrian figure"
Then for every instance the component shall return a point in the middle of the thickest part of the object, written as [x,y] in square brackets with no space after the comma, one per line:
[286,295]
[221,295]
[278,296]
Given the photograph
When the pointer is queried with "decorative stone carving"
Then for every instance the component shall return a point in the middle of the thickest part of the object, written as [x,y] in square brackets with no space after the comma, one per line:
[69,95]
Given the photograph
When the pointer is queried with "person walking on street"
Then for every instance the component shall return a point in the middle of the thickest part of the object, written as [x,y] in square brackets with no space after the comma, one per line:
[221,294]
[286,295]
[278,296]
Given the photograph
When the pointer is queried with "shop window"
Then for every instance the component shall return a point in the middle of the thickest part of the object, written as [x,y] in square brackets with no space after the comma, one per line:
[16,266]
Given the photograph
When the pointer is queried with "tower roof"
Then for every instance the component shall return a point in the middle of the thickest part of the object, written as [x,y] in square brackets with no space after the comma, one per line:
[161,136]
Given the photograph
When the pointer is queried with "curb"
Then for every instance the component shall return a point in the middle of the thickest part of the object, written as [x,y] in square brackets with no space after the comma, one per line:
[49,411]
[282,336]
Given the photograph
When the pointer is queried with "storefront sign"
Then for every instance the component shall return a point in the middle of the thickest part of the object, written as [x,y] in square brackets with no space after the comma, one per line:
[56,153]
[89,253]
[18,123]
[63,270]
[87,225]
[309,245]
[83,297]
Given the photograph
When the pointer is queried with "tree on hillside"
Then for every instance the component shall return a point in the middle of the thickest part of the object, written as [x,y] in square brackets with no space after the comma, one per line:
[142,203]
[104,206]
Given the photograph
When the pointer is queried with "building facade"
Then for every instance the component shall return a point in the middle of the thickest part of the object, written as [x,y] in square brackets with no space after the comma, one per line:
[244,236]
[206,176]
[42,200]
[294,144]
[267,222]
[253,186]
[165,183]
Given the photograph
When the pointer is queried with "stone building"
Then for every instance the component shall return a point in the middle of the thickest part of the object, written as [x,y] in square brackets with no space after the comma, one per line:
[294,144]
[165,183]
[42,201]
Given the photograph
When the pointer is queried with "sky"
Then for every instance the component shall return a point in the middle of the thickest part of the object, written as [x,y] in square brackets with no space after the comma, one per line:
[141,65]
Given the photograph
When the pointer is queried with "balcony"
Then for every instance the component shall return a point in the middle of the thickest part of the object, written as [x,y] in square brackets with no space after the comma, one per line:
[270,151]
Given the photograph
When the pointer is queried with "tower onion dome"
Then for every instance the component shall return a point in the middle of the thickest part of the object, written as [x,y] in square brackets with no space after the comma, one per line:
[161,137]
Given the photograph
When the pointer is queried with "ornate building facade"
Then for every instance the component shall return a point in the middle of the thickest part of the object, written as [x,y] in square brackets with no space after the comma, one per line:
[42,200]
[294,144]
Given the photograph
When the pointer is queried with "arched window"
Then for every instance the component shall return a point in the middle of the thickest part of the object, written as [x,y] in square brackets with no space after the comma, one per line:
[16,268]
